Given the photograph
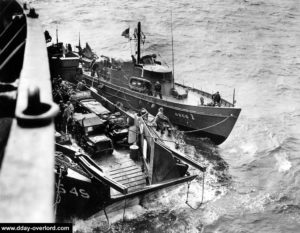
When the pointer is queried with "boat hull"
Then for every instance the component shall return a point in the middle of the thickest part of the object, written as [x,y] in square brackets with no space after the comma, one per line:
[214,123]
[82,198]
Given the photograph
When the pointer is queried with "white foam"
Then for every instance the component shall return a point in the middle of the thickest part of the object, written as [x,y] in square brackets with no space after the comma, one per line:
[283,164]
[249,148]
[98,221]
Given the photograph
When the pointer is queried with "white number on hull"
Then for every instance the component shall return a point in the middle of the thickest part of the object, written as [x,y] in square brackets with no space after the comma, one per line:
[185,116]
[82,192]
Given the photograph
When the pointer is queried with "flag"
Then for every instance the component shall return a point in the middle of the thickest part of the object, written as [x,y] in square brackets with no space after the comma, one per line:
[125,33]
[135,33]
[142,36]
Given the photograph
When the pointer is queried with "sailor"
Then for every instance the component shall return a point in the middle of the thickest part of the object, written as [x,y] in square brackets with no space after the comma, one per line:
[154,59]
[69,47]
[80,86]
[66,116]
[216,98]
[157,89]
[48,38]
[160,120]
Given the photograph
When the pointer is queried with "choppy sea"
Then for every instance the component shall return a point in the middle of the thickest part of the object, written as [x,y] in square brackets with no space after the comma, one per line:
[253,178]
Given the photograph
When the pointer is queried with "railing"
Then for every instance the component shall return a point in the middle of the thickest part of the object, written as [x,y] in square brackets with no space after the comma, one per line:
[27,175]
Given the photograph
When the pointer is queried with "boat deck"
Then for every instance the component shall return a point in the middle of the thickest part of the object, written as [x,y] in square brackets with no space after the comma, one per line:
[128,174]
[192,99]
[120,167]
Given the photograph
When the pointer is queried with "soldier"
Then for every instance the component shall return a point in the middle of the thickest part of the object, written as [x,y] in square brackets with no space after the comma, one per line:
[160,120]
[67,115]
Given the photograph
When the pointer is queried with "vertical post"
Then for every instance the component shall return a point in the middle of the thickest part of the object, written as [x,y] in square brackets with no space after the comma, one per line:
[139,42]
[79,44]
[56,35]
[233,97]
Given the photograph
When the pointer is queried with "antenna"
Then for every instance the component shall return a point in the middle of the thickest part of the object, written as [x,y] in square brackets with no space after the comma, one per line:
[79,44]
[173,70]
[56,34]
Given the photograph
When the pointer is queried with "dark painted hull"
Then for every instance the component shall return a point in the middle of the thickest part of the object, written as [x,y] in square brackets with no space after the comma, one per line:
[214,123]
[78,198]
[81,198]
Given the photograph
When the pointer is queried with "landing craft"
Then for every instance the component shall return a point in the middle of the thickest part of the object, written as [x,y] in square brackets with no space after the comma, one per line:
[94,181]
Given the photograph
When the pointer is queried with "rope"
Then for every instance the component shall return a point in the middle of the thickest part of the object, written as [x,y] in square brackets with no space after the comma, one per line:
[187,194]
[208,127]
[58,197]
[125,202]
[108,229]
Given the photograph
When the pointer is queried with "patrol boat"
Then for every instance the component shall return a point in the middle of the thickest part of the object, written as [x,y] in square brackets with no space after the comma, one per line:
[132,84]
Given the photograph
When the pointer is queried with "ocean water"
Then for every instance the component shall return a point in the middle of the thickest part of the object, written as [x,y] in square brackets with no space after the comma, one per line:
[253,178]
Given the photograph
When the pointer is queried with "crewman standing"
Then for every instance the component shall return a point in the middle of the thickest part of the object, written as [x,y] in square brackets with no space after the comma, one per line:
[160,120]
[216,98]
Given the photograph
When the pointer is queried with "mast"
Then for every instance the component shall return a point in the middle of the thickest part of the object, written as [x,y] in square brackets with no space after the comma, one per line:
[79,44]
[56,35]
[173,70]
[139,42]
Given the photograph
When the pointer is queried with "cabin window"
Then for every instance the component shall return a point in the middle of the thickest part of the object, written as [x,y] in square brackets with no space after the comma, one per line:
[139,85]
